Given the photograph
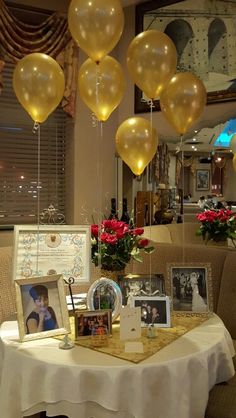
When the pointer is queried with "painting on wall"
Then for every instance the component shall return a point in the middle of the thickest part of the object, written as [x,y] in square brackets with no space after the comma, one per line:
[204,36]
[202,180]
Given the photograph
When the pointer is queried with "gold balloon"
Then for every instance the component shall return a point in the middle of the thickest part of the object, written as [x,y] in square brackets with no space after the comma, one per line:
[183,101]
[151,61]
[96,25]
[101,86]
[136,143]
[39,84]
[233,144]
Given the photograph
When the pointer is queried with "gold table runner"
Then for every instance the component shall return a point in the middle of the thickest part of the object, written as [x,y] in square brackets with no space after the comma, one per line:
[112,345]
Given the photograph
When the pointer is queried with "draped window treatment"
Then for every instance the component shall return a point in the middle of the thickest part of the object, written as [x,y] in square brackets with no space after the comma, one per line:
[187,162]
[51,37]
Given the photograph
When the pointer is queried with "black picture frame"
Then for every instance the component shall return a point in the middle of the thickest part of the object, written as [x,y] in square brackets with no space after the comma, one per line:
[140,105]
[133,285]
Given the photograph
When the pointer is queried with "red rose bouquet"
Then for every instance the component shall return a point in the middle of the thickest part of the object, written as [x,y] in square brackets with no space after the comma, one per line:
[217,225]
[116,243]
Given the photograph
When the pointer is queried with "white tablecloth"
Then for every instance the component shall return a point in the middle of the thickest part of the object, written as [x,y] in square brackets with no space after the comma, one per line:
[82,383]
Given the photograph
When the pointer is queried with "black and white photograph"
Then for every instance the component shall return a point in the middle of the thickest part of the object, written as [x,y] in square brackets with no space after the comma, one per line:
[91,323]
[41,307]
[190,287]
[133,285]
[154,310]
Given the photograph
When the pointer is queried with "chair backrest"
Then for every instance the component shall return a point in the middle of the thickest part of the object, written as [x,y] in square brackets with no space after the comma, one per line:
[7,288]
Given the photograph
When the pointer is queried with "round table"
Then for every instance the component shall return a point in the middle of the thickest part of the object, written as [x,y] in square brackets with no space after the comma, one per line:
[83,383]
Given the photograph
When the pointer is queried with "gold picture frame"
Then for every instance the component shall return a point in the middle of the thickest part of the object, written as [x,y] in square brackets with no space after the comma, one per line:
[190,287]
[93,323]
[41,307]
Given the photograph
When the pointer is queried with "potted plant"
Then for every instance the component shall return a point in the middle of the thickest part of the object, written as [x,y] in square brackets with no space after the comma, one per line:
[115,244]
[217,225]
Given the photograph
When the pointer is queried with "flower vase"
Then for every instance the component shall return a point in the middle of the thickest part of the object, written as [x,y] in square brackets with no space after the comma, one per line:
[112,274]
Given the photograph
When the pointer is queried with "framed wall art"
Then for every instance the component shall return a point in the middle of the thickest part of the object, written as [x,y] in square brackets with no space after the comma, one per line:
[41,307]
[192,27]
[52,249]
[203,180]
[190,287]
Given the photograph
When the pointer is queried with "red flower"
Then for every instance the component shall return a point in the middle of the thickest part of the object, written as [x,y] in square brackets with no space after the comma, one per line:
[120,233]
[108,238]
[143,243]
[94,230]
[137,231]
[113,224]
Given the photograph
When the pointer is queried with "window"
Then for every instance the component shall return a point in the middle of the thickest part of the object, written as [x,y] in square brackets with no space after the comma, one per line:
[19,197]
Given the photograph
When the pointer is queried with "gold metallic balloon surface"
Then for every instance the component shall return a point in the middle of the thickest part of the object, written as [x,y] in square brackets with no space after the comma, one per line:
[183,101]
[101,86]
[151,61]
[39,84]
[136,143]
[96,25]
[233,144]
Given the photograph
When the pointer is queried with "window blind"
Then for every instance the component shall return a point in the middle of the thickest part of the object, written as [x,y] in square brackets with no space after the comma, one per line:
[21,187]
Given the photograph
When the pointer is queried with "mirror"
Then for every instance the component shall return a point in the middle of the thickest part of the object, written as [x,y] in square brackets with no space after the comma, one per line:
[202,32]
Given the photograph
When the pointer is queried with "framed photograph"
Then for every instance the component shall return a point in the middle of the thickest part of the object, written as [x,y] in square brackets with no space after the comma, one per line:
[198,51]
[154,310]
[105,294]
[52,249]
[190,287]
[132,285]
[41,307]
[202,180]
[93,323]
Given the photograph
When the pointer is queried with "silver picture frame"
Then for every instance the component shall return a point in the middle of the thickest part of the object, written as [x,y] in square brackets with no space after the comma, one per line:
[105,294]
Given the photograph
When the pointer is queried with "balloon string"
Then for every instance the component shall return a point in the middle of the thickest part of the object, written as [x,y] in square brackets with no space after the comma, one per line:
[36,128]
[150,199]
[99,170]
[182,197]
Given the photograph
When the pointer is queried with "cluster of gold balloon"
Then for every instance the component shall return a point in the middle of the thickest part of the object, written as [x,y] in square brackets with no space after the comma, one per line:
[96,26]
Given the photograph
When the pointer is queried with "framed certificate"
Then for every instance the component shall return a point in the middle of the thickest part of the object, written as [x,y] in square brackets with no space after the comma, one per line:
[52,249]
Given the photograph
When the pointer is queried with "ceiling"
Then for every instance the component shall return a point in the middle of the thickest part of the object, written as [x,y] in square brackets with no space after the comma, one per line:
[209,125]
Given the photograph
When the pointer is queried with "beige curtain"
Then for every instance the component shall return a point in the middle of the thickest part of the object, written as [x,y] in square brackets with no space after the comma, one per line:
[51,37]
[186,162]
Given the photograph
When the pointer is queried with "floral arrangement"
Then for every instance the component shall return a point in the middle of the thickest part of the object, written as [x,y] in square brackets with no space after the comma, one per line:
[217,225]
[116,243]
